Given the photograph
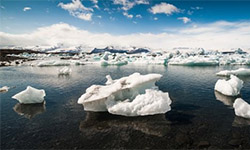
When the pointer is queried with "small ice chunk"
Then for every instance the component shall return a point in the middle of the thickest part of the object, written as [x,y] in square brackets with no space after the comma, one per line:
[241,108]
[150,103]
[30,95]
[238,72]
[64,71]
[229,87]
[109,80]
[4,89]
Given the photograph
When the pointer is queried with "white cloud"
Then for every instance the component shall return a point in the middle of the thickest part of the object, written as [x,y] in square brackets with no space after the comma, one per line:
[155,18]
[127,15]
[2,7]
[112,18]
[209,36]
[189,12]
[196,8]
[85,16]
[138,16]
[128,4]
[99,17]
[95,2]
[26,8]
[184,19]
[78,10]
[165,8]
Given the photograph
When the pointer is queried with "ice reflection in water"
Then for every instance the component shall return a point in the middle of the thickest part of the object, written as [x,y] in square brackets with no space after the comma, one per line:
[94,123]
[240,122]
[226,100]
[29,110]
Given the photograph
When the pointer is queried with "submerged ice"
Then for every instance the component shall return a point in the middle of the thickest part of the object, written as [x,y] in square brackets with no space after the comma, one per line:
[229,87]
[30,95]
[129,96]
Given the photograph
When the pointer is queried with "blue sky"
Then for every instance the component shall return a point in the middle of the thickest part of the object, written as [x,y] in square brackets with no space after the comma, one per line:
[155,24]
[109,17]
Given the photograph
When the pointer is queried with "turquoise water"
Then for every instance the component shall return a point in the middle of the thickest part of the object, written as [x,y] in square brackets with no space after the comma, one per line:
[196,120]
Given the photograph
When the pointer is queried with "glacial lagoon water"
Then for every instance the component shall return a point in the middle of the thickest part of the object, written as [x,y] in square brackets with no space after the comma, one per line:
[200,117]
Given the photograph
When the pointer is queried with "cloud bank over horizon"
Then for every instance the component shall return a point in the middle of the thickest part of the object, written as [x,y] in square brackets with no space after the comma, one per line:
[217,35]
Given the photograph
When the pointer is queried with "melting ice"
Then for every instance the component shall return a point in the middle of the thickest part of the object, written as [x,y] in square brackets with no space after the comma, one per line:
[229,87]
[129,96]
[30,95]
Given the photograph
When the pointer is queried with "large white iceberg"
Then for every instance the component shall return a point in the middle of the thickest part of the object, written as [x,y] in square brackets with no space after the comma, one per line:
[129,92]
[241,108]
[229,87]
[30,95]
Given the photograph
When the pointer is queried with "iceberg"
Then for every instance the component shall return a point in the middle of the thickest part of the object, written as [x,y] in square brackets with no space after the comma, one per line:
[64,71]
[4,89]
[241,108]
[30,95]
[113,62]
[229,87]
[238,72]
[150,103]
[137,93]
[193,61]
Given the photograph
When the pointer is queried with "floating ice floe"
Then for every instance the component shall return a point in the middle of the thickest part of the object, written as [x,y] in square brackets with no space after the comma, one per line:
[229,87]
[113,62]
[4,89]
[53,63]
[193,61]
[241,108]
[129,96]
[30,95]
[64,71]
[238,72]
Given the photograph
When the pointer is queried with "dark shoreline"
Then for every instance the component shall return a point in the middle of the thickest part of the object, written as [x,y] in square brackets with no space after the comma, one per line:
[6,60]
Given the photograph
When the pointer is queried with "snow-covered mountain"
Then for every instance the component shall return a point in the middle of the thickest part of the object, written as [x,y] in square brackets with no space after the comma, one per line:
[116,49]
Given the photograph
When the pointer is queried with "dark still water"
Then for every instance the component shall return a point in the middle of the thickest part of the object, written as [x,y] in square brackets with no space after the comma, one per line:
[197,119]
